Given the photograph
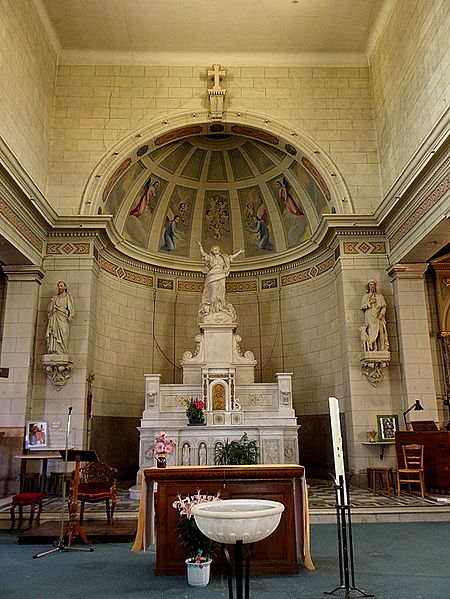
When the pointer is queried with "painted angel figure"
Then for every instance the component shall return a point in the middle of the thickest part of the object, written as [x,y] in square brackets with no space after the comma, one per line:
[149,192]
[285,194]
[170,234]
[262,231]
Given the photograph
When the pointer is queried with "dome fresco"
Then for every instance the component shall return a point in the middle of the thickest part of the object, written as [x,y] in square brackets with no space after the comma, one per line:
[219,189]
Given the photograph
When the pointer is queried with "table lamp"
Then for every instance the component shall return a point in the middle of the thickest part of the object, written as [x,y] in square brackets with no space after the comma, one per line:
[416,406]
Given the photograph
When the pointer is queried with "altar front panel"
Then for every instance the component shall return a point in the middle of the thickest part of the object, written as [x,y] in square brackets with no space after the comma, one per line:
[277,554]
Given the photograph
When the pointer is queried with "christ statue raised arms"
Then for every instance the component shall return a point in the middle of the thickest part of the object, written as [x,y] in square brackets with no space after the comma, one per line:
[217,269]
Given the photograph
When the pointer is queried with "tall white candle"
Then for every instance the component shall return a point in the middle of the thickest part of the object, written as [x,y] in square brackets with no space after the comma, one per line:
[336,436]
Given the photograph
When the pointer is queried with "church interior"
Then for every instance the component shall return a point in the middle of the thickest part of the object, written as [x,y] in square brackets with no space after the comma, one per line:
[307,140]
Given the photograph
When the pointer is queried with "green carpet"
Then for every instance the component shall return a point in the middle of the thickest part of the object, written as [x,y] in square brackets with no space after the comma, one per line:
[394,561]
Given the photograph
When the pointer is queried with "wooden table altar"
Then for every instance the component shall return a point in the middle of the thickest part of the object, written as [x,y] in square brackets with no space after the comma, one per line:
[277,554]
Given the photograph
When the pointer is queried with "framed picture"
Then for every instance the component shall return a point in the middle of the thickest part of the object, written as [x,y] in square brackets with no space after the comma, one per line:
[36,434]
[387,425]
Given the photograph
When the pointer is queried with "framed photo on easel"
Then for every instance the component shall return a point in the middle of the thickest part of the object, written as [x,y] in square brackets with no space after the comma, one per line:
[36,434]
[387,425]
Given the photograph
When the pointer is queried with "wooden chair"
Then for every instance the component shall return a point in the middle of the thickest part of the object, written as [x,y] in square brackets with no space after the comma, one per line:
[413,471]
[98,483]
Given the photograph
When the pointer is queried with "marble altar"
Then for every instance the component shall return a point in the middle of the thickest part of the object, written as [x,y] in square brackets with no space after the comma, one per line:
[222,375]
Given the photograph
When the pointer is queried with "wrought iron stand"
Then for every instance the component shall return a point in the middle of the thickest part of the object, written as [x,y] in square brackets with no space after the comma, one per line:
[345,544]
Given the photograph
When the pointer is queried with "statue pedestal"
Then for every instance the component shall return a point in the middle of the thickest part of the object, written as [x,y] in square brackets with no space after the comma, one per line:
[373,365]
[58,368]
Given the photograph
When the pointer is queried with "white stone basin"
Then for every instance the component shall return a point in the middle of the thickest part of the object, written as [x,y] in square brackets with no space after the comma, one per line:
[232,520]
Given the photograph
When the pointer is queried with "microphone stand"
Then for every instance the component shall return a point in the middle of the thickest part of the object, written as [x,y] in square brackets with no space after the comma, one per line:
[68,533]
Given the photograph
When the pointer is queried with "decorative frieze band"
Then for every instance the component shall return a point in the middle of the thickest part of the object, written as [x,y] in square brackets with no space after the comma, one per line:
[426,205]
[364,247]
[125,274]
[231,286]
[68,248]
[239,286]
[192,286]
[18,224]
[309,273]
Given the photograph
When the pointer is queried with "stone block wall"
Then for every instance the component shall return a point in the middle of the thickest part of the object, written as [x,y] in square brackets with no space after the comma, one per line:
[410,72]
[27,87]
[97,106]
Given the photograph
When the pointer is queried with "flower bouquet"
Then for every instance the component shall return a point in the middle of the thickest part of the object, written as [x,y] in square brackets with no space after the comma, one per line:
[195,411]
[198,547]
[161,448]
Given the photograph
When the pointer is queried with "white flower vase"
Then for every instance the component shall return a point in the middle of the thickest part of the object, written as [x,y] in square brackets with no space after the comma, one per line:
[198,573]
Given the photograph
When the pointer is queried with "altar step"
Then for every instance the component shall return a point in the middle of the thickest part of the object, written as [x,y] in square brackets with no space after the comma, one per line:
[97,531]
[135,492]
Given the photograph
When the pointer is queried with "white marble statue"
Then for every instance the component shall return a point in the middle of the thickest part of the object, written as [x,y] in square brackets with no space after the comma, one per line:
[217,270]
[60,313]
[374,333]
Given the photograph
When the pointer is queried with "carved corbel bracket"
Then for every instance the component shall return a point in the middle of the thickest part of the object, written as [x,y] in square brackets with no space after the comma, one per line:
[58,368]
[373,365]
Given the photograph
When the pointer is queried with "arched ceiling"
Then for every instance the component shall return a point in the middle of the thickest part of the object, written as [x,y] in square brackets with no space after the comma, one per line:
[220,189]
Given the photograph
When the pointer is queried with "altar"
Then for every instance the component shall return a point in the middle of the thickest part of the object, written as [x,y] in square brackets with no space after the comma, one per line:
[220,375]
[280,553]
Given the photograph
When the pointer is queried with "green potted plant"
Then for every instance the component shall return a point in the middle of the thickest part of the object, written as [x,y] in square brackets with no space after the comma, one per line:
[198,547]
[237,453]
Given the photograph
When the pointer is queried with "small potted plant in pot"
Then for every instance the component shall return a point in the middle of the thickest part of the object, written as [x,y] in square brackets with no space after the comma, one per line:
[195,411]
[198,547]
[237,452]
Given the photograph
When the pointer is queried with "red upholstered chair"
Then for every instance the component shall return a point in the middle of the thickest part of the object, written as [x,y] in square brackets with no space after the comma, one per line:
[98,483]
[21,499]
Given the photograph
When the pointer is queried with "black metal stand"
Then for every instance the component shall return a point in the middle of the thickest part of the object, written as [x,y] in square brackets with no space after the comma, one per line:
[345,544]
[68,533]
[238,569]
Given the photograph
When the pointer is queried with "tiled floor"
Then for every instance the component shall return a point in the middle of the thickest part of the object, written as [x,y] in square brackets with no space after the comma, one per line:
[365,506]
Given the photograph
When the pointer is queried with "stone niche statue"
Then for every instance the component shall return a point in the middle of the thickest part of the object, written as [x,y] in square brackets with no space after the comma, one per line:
[374,333]
[60,313]
[213,307]
[57,362]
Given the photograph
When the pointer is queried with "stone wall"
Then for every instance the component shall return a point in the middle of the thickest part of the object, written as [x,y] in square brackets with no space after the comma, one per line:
[97,106]
[27,80]
[411,81]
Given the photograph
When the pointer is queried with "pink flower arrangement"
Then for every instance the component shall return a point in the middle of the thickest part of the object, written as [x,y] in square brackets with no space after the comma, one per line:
[184,504]
[162,445]
[194,542]
[194,410]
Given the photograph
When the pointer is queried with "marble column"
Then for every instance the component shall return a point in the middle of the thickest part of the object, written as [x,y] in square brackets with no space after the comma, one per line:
[415,351]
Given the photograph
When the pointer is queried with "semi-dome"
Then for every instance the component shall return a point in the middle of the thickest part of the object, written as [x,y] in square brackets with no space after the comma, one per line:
[220,189]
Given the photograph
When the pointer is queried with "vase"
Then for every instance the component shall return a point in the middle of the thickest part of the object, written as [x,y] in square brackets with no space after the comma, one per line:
[161,461]
[198,572]
[371,436]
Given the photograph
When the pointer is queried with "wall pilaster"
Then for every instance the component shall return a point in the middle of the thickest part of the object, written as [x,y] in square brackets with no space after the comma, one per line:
[19,334]
[410,298]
